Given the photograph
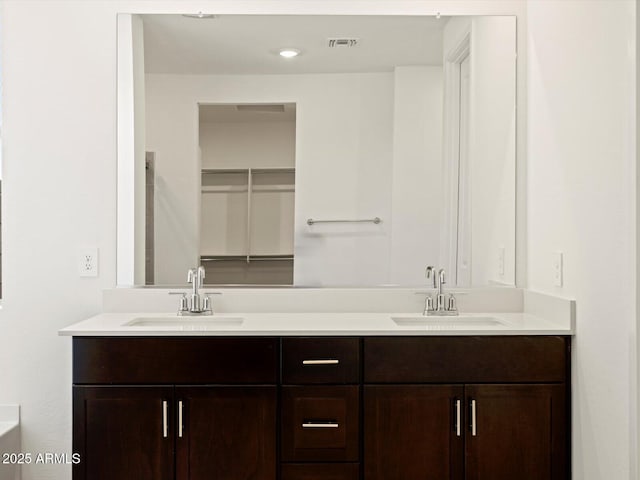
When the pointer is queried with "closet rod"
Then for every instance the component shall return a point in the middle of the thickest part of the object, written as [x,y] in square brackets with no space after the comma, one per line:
[235,258]
[375,220]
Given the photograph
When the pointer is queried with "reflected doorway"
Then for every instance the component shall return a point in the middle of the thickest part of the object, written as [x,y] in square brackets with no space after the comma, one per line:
[247,178]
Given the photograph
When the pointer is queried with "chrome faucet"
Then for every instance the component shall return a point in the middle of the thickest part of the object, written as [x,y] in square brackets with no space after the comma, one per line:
[428,301]
[196,304]
[444,305]
[440,297]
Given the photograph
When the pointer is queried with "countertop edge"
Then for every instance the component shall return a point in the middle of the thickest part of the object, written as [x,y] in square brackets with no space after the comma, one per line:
[315,324]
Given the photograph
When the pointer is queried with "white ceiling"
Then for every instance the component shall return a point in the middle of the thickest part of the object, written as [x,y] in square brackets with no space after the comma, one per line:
[249,44]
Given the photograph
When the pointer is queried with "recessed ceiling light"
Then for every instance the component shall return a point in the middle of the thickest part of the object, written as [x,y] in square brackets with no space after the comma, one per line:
[289,52]
[199,15]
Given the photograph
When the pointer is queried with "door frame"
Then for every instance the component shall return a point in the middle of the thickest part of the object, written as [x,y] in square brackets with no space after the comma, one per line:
[451,154]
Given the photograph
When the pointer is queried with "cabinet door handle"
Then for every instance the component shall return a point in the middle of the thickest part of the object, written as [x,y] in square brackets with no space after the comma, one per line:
[473,418]
[330,361]
[180,418]
[165,427]
[458,432]
[320,425]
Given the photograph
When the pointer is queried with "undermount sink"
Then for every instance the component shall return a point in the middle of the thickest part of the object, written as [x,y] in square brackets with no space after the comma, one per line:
[448,322]
[186,323]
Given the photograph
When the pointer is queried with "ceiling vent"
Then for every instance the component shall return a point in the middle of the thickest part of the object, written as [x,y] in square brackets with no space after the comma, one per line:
[343,42]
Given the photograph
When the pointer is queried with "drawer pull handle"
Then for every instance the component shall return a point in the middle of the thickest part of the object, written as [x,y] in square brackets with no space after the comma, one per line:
[165,428]
[473,418]
[180,419]
[320,425]
[458,432]
[321,362]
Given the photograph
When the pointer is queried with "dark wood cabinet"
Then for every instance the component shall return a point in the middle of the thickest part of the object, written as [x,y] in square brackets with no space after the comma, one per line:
[120,433]
[213,417]
[320,423]
[411,432]
[318,360]
[322,408]
[227,433]
[519,432]
[504,429]
[320,471]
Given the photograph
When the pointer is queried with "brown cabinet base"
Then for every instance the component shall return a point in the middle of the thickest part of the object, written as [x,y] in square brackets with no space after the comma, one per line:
[320,471]
[373,408]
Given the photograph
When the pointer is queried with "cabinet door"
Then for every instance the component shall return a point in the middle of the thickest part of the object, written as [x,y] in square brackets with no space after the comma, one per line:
[123,433]
[519,432]
[413,432]
[226,433]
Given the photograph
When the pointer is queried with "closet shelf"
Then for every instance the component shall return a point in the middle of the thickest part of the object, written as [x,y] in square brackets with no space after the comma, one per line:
[258,171]
[273,188]
[224,189]
[247,258]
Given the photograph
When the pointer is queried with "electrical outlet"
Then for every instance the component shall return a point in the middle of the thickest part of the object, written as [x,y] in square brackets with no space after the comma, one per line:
[501,261]
[88,262]
[557,269]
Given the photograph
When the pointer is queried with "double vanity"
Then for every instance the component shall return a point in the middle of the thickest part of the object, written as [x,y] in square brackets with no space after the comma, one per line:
[324,396]
[311,172]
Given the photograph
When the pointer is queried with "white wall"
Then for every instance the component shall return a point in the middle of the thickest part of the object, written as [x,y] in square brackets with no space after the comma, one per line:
[59,71]
[493,148]
[248,144]
[59,194]
[417,173]
[131,143]
[582,188]
[342,171]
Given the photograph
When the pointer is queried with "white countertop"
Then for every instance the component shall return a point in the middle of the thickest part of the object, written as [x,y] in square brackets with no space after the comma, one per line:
[9,418]
[316,324]
[6,427]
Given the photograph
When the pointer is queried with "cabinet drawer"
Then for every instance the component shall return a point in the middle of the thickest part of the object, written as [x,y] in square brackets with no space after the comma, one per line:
[320,423]
[320,360]
[320,471]
[171,360]
[465,359]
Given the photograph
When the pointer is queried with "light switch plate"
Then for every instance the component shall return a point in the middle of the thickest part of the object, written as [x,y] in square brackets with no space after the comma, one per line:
[501,261]
[557,269]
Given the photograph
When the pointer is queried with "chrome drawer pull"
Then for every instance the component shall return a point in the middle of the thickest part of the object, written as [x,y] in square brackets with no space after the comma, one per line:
[458,433]
[165,428]
[180,419]
[473,418]
[321,362]
[320,425]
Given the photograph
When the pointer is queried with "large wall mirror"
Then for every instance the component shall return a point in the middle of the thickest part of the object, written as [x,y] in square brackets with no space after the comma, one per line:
[377,146]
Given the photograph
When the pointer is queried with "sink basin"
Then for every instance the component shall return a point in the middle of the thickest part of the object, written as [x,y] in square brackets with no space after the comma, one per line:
[444,322]
[187,323]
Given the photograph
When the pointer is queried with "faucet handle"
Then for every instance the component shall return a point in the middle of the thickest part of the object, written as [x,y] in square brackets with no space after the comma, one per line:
[428,305]
[206,303]
[184,305]
[451,303]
